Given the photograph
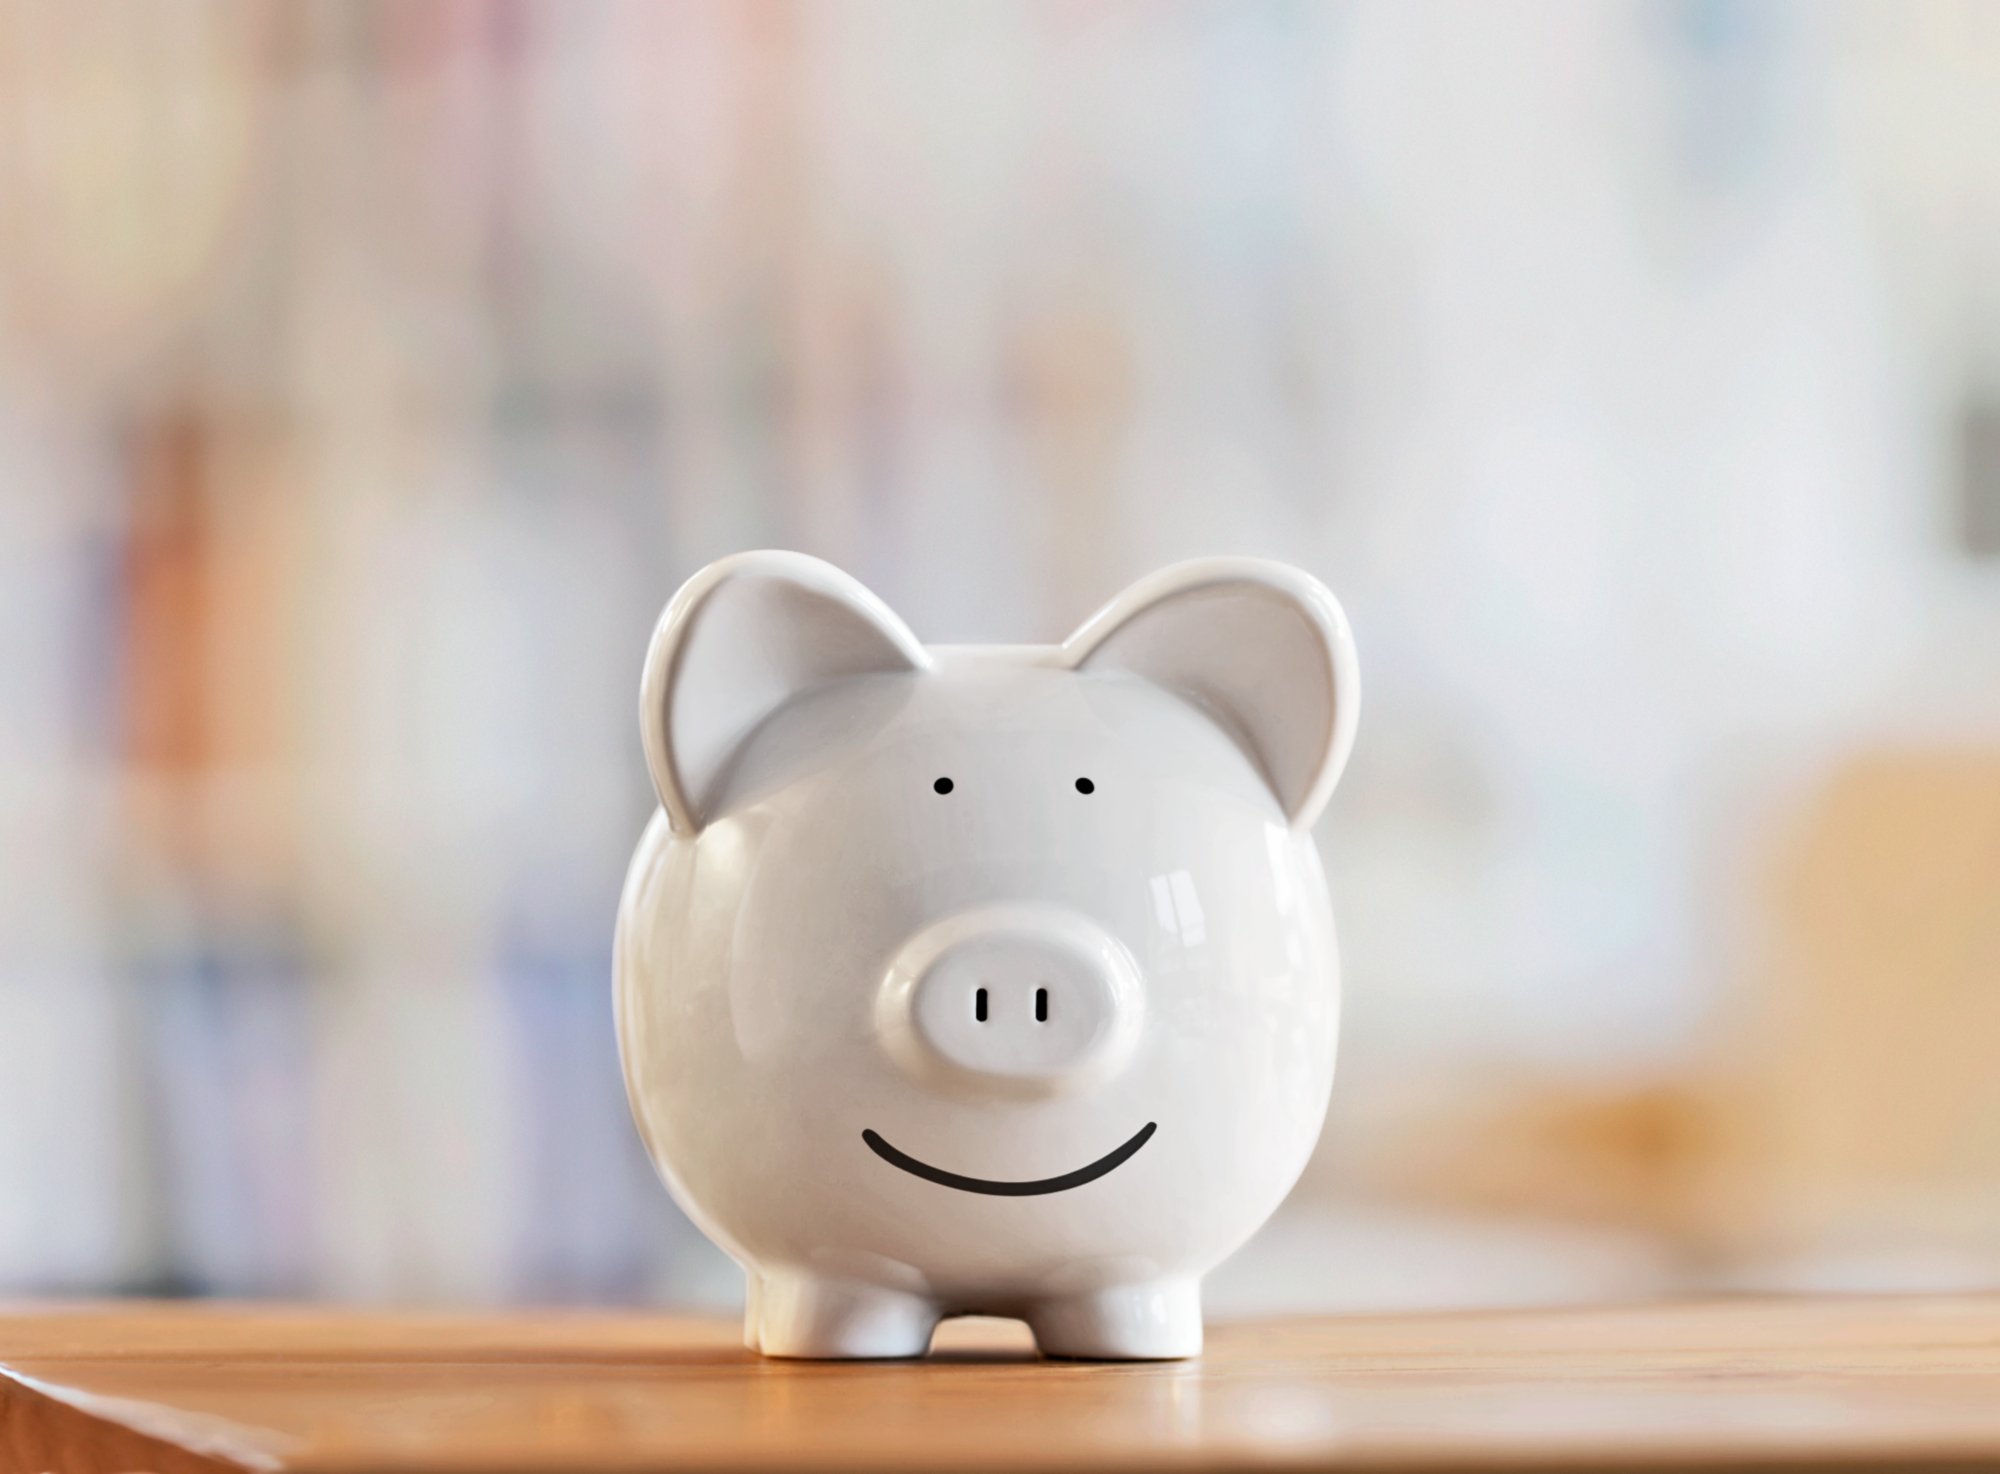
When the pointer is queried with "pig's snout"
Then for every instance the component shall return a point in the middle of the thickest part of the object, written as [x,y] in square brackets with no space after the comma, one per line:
[1011,1000]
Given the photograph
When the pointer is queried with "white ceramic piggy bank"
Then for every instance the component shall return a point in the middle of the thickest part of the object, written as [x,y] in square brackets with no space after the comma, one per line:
[984,979]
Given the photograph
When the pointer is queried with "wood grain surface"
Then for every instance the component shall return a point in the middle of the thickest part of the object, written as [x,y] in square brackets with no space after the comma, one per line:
[1892,1383]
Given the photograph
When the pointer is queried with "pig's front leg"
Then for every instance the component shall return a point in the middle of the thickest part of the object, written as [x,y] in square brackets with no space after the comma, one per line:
[797,1314]
[1160,1321]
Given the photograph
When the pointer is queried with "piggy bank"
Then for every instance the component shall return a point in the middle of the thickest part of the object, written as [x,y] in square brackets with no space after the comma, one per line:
[972,979]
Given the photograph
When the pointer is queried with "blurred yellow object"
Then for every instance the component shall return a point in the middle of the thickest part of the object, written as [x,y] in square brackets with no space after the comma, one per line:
[1871,1087]
[1848,1130]
[130,145]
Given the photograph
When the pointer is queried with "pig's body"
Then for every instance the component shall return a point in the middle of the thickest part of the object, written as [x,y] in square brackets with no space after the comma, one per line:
[1006,986]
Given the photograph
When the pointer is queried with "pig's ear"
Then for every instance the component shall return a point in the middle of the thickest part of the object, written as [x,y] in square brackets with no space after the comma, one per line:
[1261,647]
[743,637]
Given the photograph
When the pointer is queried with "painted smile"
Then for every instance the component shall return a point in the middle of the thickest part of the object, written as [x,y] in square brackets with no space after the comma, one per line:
[1111,1160]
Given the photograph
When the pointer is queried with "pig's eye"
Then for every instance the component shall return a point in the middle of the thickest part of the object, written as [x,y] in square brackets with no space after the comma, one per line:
[1084,785]
[943,785]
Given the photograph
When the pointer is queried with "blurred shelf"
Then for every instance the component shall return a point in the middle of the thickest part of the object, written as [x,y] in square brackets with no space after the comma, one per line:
[1889,1382]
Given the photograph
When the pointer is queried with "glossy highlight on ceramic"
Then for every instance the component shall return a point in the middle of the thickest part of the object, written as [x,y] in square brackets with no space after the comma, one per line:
[970,979]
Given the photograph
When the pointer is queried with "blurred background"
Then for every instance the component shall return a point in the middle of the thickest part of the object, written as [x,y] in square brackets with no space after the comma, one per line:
[370,374]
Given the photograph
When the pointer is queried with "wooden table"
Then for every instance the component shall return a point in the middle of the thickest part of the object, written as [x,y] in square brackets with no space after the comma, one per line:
[1787,1383]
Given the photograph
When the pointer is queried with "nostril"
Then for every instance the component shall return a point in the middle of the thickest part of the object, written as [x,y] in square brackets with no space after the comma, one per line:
[979,1005]
[1041,1005]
